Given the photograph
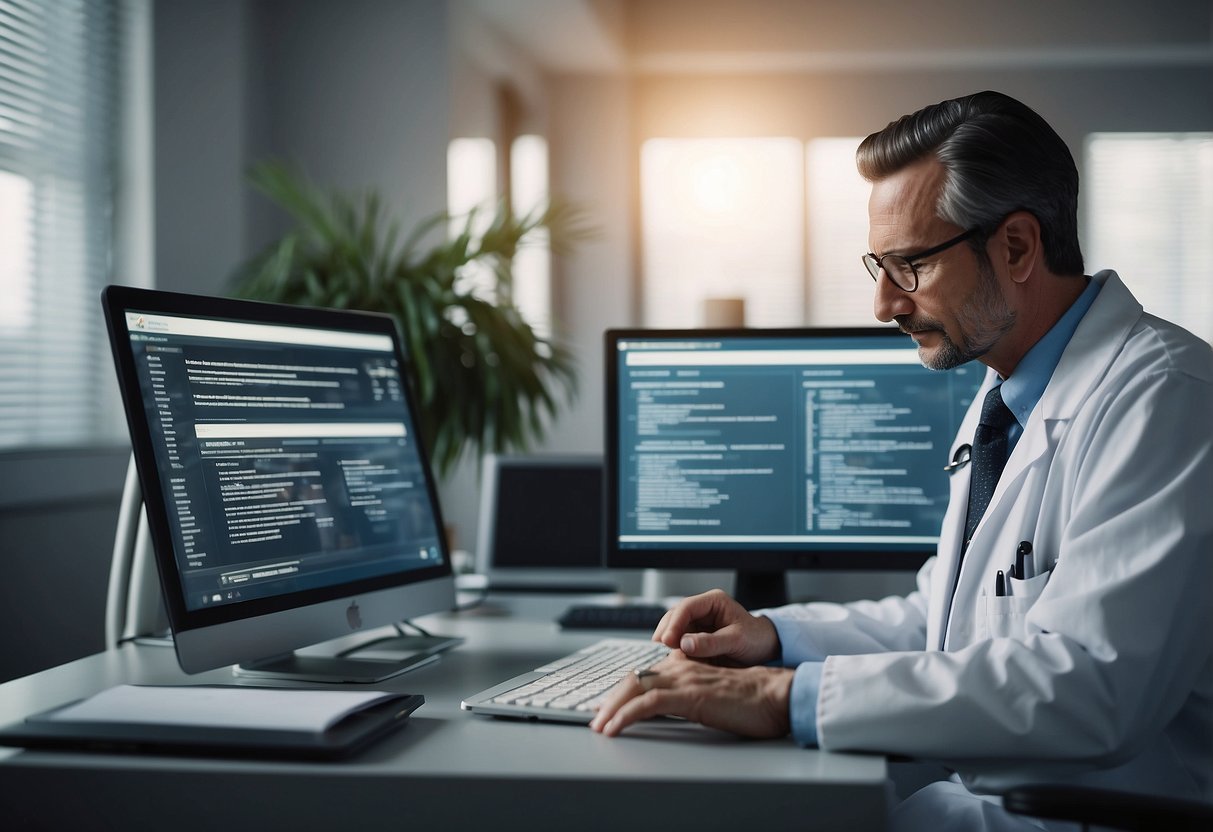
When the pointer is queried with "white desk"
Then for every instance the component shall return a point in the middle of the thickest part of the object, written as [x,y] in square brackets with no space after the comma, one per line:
[446,769]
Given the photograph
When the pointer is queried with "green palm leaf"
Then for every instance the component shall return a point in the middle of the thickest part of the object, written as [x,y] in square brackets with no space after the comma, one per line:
[483,379]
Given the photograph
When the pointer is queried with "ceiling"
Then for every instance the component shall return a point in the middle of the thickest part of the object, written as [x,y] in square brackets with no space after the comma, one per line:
[759,36]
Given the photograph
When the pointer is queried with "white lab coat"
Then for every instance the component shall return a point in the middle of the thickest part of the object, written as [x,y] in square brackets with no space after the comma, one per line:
[1100,670]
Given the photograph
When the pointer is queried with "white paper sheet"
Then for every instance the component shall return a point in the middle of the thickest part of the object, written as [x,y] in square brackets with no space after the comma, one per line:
[279,709]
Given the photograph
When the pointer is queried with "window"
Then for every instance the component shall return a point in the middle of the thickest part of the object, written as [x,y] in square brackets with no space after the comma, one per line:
[61,83]
[840,291]
[723,218]
[727,218]
[533,262]
[1149,208]
[471,186]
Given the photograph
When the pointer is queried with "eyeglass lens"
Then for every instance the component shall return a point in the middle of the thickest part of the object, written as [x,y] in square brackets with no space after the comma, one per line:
[897,267]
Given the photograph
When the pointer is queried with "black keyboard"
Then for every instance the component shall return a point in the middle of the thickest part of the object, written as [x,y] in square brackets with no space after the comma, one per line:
[608,617]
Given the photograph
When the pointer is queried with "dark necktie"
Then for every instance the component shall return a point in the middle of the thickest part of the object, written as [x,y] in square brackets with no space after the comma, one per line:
[989,457]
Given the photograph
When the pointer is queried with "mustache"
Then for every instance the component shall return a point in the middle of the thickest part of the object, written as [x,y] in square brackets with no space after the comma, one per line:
[907,324]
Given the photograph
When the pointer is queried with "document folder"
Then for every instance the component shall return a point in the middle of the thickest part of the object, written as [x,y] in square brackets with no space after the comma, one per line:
[218,720]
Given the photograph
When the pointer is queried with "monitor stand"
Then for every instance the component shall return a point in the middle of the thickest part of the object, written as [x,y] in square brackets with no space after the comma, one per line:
[757,590]
[365,664]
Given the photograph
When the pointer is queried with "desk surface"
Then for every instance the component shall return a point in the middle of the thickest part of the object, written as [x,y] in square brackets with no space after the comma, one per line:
[447,769]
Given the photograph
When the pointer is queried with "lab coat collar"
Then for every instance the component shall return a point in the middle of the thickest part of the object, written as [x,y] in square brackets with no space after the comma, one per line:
[1100,337]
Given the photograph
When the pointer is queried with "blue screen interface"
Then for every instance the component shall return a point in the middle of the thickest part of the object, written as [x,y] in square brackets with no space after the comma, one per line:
[288,457]
[768,443]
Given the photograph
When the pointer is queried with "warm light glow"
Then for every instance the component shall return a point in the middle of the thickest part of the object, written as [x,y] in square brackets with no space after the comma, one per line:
[723,218]
[718,183]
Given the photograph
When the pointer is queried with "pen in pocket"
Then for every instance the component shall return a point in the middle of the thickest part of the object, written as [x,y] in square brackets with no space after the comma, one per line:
[1024,562]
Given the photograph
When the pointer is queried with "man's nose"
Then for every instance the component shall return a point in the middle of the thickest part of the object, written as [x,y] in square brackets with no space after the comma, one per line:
[890,301]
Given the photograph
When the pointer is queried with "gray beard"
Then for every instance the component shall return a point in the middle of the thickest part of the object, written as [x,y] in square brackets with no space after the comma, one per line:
[982,323]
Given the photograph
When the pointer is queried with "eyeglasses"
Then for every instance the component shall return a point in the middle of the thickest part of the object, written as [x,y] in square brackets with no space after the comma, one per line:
[900,267]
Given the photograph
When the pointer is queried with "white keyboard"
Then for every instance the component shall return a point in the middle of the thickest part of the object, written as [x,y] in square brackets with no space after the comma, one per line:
[570,688]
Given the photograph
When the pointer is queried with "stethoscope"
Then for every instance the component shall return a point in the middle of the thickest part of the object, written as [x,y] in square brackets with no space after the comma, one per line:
[962,457]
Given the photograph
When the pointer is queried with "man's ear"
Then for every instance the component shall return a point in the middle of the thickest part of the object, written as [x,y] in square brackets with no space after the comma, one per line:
[1021,235]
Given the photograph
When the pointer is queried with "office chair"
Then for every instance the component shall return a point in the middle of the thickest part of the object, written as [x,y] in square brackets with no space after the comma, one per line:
[1105,807]
[133,605]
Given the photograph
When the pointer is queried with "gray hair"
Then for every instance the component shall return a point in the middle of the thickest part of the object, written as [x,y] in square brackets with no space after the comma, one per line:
[1000,156]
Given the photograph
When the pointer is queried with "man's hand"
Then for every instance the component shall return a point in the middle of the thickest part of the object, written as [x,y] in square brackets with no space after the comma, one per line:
[714,626]
[751,701]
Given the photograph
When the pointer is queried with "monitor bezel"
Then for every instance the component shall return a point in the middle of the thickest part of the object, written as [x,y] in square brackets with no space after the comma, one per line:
[757,560]
[291,620]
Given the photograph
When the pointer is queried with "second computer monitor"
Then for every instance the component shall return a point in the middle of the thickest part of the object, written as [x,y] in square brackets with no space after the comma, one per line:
[769,450]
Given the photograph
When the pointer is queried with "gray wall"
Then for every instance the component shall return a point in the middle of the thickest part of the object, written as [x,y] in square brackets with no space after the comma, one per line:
[58,512]
[356,93]
[201,89]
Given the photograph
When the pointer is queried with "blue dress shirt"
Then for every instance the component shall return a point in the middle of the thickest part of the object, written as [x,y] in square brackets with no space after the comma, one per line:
[1023,389]
[1020,393]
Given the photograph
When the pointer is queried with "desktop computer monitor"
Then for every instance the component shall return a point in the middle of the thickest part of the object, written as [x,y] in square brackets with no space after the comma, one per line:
[770,450]
[541,524]
[288,497]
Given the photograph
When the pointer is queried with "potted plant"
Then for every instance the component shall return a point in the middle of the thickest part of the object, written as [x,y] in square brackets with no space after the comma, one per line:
[483,379]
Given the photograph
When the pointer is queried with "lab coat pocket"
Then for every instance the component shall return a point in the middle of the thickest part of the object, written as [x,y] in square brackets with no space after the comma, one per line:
[1004,615]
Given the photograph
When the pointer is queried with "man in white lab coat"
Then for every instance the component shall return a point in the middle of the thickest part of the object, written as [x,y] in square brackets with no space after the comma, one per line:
[1093,667]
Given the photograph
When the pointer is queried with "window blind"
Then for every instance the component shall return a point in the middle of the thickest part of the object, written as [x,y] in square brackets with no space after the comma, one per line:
[1149,210]
[59,97]
[840,290]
